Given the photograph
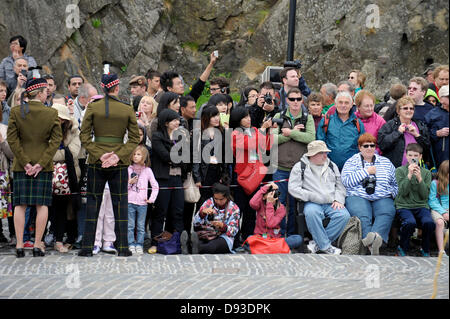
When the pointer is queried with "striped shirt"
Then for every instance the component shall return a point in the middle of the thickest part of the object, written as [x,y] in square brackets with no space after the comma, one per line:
[354,173]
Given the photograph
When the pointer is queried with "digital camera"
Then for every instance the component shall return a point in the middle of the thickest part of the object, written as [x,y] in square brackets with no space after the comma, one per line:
[276,192]
[369,184]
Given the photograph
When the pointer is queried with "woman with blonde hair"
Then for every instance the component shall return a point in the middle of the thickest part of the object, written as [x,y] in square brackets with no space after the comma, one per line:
[147,110]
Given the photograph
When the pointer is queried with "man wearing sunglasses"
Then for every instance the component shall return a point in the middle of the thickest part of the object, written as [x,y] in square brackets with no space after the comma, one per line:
[417,89]
[294,134]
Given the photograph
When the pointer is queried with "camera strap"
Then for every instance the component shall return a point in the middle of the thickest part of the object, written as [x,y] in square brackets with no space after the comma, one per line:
[362,160]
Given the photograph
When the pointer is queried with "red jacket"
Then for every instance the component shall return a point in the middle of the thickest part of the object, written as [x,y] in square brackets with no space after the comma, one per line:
[242,144]
[267,219]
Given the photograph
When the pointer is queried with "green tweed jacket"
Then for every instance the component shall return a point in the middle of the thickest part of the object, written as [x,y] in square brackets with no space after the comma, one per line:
[121,119]
[35,138]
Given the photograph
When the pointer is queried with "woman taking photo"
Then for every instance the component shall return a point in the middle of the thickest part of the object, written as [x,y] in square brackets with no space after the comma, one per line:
[371,188]
[396,134]
[34,134]
[248,145]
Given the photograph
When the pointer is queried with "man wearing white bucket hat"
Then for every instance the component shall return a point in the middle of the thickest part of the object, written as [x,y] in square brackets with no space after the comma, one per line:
[316,181]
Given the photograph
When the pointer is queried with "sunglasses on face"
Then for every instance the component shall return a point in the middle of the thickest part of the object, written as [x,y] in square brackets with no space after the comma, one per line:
[407,108]
[292,99]
[412,89]
[368,145]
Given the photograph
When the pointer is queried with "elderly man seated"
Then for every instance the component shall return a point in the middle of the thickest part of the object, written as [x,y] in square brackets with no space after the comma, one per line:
[316,181]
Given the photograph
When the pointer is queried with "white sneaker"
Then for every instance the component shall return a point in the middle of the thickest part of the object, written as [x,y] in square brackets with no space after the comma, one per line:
[132,249]
[313,247]
[139,250]
[109,249]
[96,250]
[332,250]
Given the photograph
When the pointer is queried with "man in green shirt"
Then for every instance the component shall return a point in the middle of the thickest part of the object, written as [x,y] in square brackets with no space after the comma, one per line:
[294,135]
[412,200]
[109,157]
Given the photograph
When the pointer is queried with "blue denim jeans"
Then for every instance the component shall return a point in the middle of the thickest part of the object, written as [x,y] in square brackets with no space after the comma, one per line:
[316,213]
[30,213]
[409,219]
[284,197]
[294,241]
[375,216]
[136,213]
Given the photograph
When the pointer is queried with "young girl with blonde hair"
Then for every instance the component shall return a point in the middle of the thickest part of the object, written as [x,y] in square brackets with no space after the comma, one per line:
[139,175]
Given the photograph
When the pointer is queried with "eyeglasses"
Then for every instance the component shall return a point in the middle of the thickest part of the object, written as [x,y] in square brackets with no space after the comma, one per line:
[351,78]
[214,89]
[292,99]
[369,145]
[407,108]
[412,89]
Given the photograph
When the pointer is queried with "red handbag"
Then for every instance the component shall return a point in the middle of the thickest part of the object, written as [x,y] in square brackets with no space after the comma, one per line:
[252,176]
[261,245]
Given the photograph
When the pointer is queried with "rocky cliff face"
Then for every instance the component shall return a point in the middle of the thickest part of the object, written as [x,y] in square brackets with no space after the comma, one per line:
[332,37]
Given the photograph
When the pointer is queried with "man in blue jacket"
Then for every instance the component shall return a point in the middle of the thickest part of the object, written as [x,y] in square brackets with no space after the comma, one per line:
[341,130]
[437,122]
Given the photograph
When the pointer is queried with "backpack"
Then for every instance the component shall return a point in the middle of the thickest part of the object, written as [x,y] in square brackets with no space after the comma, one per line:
[350,239]
[327,120]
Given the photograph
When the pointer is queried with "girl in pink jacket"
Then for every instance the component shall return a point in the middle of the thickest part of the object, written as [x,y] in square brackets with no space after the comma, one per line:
[269,213]
[139,175]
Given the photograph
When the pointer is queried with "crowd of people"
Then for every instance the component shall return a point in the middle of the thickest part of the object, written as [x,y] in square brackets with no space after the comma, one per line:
[88,171]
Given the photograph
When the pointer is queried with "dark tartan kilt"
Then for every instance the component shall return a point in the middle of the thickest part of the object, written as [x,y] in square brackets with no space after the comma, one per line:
[30,190]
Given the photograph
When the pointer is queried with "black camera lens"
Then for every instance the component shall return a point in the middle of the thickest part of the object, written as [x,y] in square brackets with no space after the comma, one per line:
[369,184]
[268,98]
[279,122]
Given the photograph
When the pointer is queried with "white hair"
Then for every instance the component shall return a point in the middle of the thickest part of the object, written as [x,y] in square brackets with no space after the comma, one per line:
[344,94]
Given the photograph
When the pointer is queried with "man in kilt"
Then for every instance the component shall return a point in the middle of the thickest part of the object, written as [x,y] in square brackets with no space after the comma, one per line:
[104,126]
[34,135]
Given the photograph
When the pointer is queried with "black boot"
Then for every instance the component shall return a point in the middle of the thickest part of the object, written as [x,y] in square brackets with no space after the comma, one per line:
[85,253]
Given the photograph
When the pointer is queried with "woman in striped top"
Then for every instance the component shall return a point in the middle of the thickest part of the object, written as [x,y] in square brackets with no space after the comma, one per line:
[372,204]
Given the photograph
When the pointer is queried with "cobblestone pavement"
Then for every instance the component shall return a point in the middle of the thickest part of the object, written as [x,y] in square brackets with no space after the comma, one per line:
[238,276]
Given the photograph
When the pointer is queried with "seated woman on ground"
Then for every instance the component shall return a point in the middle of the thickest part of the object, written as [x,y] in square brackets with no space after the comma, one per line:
[269,213]
[215,224]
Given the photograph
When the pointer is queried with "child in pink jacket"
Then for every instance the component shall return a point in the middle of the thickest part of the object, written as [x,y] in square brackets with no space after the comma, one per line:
[139,175]
[269,213]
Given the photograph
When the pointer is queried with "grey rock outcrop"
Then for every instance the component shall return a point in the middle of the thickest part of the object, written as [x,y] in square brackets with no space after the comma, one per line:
[332,37]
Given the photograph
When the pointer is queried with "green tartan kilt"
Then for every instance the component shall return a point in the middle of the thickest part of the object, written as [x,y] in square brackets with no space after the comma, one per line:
[28,190]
